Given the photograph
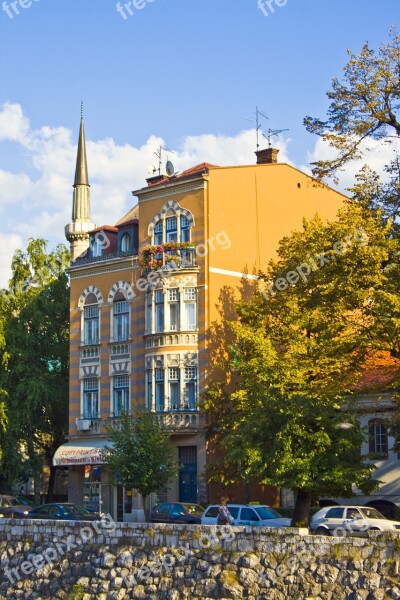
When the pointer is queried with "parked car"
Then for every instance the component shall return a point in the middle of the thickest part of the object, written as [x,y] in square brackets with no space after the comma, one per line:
[65,511]
[177,512]
[350,521]
[259,515]
[24,501]
[12,508]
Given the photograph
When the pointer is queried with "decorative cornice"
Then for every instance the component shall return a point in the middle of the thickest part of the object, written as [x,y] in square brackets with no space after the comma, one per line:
[151,194]
[80,271]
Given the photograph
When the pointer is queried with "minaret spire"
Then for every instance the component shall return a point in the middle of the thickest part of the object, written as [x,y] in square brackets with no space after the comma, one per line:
[77,232]
[81,172]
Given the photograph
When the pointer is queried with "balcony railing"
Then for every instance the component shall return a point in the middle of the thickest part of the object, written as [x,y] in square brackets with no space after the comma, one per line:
[181,420]
[173,421]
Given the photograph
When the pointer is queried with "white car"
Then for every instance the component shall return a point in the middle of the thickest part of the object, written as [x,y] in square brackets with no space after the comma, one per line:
[350,521]
[259,515]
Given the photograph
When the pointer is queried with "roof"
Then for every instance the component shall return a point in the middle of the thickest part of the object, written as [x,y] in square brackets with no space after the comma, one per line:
[381,372]
[132,214]
[196,170]
[104,228]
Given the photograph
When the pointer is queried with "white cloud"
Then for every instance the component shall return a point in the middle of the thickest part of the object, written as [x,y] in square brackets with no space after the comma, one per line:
[37,200]
[13,124]
[376,154]
[9,243]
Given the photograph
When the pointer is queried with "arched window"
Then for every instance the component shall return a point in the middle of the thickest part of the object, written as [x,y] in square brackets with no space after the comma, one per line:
[126,242]
[91,320]
[174,227]
[378,438]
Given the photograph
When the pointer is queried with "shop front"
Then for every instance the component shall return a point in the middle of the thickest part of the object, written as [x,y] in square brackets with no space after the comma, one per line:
[92,485]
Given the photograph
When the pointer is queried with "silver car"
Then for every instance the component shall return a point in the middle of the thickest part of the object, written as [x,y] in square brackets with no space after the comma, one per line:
[258,515]
[343,521]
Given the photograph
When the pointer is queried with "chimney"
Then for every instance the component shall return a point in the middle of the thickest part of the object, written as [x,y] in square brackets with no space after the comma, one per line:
[267,156]
[155,179]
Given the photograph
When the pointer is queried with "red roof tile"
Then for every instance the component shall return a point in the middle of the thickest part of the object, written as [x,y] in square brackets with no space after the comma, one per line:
[196,170]
[380,373]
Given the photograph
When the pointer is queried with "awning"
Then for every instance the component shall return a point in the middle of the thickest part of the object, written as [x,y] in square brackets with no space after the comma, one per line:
[83,452]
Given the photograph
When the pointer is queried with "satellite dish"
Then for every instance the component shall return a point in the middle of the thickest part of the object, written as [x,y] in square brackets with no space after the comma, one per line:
[169,167]
[151,169]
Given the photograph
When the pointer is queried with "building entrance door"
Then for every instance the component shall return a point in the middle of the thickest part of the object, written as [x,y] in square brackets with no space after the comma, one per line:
[188,474]
[98,497]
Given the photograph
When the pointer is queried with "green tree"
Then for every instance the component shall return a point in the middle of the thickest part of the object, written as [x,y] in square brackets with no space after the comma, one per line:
[299,347]
[364,105]
[141,454]
[35,360]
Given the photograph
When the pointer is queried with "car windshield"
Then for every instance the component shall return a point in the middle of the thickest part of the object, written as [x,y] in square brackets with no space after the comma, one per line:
[194,509]
[265,512]
[13,501]
[24,501]
[371,513]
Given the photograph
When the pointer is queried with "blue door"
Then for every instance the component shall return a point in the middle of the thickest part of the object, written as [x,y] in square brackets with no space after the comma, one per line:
[188,474]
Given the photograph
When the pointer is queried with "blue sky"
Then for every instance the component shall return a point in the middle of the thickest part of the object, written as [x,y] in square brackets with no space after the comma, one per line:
[178,72]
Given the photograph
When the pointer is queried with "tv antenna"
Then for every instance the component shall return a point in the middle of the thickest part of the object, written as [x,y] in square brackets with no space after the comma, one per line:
[271,133]
[158,153]
[257,122]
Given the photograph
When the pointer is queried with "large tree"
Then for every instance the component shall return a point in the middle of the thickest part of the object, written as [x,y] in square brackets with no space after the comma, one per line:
[35,360]
[141,454]
[299,347]
[365,105]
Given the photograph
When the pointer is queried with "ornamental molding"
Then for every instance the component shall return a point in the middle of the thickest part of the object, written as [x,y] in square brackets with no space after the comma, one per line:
[145,196]
[84,272]
[91,289]
[89,371]
[176,209]
[120,368]
[123,286]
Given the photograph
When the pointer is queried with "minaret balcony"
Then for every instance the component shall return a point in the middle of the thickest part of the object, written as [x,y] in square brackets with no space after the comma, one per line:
[170,256]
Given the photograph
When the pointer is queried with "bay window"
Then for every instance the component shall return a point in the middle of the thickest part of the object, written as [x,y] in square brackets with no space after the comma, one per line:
[190,388]
[159,377]
[173,301]
[174,388]
[159,308]
[190,307]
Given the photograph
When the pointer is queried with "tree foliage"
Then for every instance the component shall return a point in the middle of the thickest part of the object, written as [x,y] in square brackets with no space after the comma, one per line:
[35,358]
[141,454]
[364,104]
[299,347]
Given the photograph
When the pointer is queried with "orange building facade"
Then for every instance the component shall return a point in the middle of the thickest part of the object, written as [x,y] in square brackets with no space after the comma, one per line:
[149,297]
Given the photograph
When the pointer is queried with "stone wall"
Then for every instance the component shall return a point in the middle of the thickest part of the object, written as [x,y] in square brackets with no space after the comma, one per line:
[113,561]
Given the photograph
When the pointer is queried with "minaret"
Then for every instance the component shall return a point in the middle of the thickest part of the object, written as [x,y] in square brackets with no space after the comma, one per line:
[77,232]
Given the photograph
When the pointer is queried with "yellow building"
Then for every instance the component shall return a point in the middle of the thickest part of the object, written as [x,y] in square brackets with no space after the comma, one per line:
[147,295]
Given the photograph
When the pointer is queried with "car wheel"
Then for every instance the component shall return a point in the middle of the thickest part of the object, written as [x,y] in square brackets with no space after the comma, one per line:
[373,529]
[322,531]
